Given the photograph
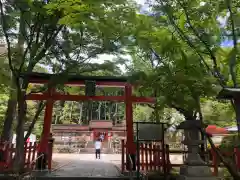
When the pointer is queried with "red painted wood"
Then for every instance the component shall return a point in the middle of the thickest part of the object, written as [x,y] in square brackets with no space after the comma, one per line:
[9,156]
[29,154]
[47,123]
[155,157]
[68,97]
[158,158]
[123,155]
[150,156]
[50,151]
[146,156]
[142,156]
[33,155]
[129,120]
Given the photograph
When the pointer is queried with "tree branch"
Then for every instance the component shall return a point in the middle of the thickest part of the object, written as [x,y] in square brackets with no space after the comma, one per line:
[191,45]
[4,25]
[213,57]
[29,43]
[41,106]
[232,63]
[46,46]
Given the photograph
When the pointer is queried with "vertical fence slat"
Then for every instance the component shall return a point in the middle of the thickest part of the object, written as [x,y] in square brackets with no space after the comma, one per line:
[158,157]
[29,155]
[33,155]
[155,160]
[142,156]
[123,155]
[9,153]
[150,157]
[146,156]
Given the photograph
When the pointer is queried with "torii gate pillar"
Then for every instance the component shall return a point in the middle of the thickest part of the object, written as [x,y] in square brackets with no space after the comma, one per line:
[131,149]
[43,146]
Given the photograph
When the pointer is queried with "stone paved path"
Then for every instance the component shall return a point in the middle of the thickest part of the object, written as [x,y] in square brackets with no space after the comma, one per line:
[86,165]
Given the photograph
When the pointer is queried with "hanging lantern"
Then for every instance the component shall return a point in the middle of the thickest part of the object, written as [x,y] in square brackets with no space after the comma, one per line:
[90,88]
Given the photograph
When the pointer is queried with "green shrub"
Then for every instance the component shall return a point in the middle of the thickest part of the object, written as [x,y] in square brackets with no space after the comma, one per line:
[229,143]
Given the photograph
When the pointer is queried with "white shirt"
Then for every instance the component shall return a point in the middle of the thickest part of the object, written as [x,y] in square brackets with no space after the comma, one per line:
[98,145]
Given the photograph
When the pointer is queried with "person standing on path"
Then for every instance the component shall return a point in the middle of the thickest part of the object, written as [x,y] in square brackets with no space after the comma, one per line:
[98,145]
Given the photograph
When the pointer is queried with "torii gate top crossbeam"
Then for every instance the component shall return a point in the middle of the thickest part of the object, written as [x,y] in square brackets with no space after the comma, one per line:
[44,78]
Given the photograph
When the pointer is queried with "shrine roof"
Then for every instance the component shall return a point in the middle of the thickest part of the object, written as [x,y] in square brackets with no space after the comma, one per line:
[74,77]
[228,93]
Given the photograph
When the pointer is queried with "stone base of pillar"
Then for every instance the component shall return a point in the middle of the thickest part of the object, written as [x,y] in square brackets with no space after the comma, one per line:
[195,169]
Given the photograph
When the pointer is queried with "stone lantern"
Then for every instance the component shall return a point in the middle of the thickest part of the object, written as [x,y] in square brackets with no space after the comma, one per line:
[194,168]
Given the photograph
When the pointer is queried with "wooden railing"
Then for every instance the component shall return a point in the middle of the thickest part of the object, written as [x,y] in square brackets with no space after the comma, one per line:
[8,156]
[151,158]
[156,158]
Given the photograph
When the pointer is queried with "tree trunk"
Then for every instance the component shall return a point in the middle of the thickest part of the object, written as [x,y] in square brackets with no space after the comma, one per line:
[22,107]
[12,102]
[10,113]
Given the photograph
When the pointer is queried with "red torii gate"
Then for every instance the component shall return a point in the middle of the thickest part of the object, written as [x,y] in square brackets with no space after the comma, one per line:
[51,96]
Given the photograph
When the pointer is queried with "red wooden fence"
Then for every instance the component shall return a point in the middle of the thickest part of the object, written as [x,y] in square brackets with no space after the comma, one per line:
[157,158]
[8,153]
[152,157]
